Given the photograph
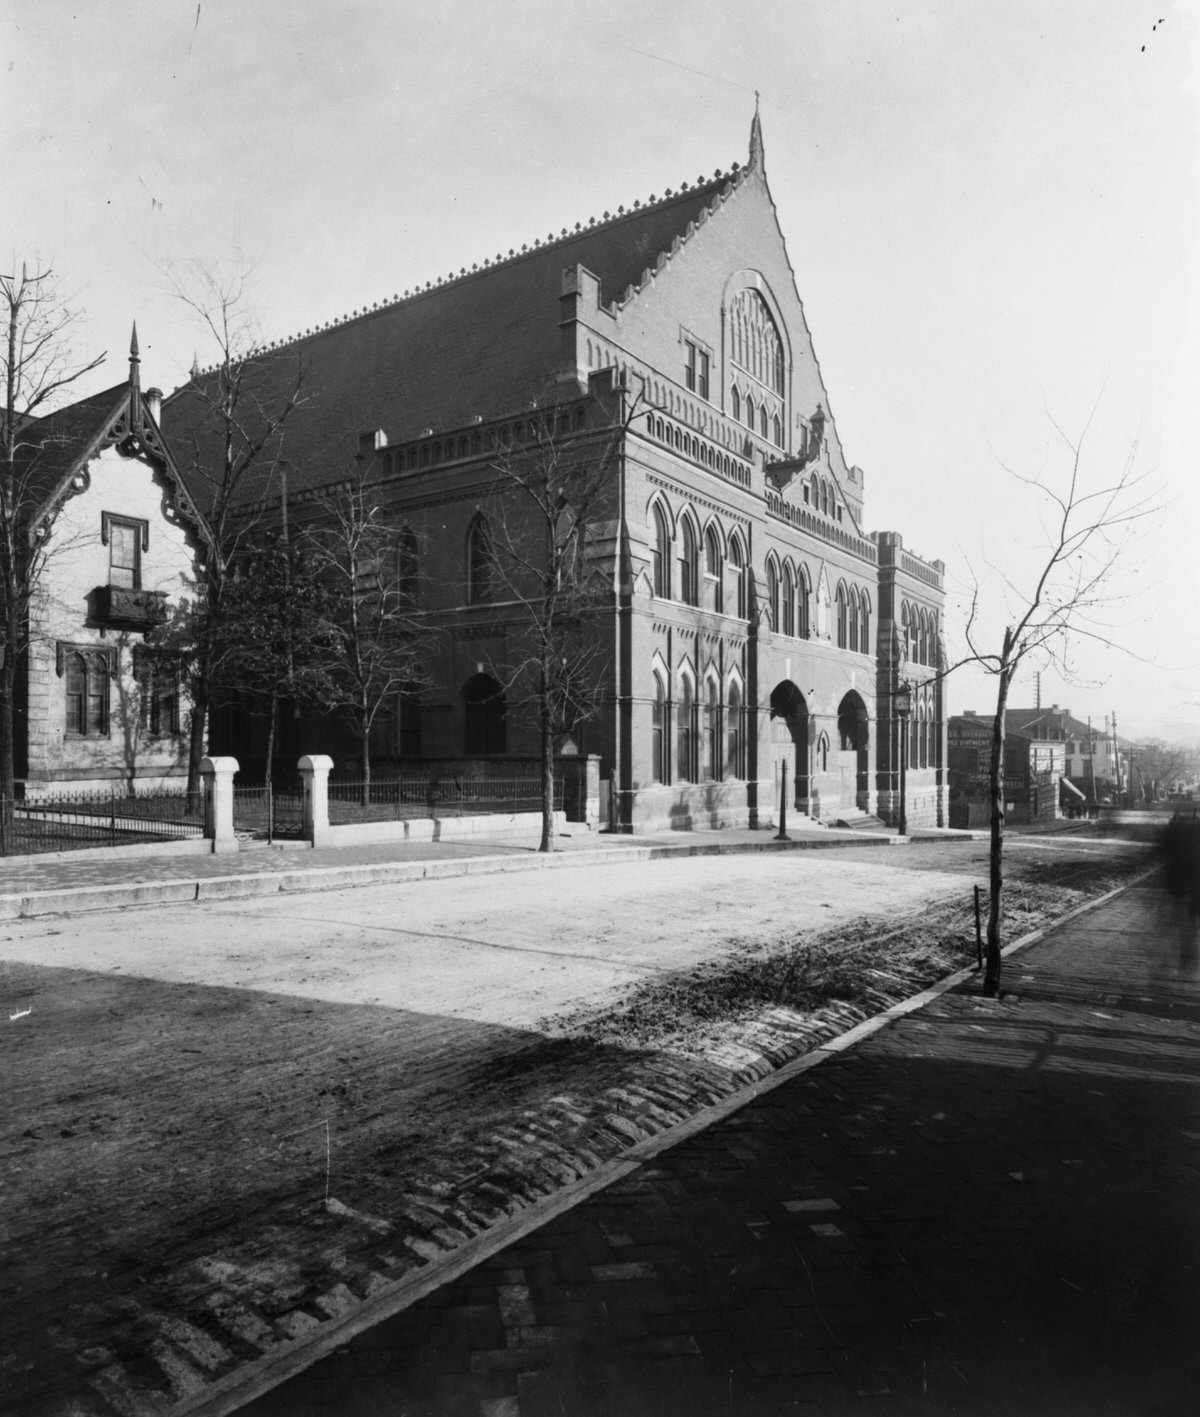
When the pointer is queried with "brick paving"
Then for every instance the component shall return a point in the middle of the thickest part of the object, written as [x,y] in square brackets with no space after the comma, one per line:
[988,1207]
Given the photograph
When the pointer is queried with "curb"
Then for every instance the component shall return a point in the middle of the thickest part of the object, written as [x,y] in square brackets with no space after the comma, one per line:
[258,1377]
[182,890]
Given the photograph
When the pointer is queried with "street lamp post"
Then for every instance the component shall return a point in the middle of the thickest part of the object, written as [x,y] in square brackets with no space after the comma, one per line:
[902,706]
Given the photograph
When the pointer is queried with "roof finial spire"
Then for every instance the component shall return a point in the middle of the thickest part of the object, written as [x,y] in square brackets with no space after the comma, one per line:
[756,139]
[135,377]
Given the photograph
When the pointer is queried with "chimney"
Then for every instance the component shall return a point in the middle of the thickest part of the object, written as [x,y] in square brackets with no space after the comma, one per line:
[152,403]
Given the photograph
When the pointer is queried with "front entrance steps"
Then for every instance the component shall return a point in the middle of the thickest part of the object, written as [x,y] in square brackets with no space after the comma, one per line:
[861,821]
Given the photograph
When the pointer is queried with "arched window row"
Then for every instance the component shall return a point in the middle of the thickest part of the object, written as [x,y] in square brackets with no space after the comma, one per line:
[919,632]
[923,730]
[759,413]
[670,435]
[852,608]
[754,343]
[820,493]
[706,569]
[698,732]
[789,599]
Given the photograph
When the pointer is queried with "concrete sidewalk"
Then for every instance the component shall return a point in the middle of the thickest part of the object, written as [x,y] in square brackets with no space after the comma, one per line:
[987,1207]
[111,878]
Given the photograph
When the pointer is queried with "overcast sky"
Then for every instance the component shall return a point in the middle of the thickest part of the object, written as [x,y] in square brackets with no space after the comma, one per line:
[990,206]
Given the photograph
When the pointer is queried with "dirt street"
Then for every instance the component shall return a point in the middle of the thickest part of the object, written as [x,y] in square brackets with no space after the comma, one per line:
[184,1085]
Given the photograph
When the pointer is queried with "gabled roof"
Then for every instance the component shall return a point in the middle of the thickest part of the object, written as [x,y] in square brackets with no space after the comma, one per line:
[481,344]
[55,450]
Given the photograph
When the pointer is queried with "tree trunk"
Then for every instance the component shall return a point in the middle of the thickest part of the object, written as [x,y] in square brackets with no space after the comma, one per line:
[991,977]
[547,734]
[365,728]
[196,743]
[268,774]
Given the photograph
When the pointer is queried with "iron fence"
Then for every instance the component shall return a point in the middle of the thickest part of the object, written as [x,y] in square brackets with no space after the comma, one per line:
[391,799]
[70,821]
[274,811]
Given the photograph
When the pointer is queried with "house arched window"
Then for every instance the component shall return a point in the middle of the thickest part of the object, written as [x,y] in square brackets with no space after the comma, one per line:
[772,595]
[750,410]
[762,420]
[481,562]
[661,554]
[852,610]
[864,625]
[789,602]
[735,405]
[842,626]
[87,680]
[689,565]
[803,616]
[777,431]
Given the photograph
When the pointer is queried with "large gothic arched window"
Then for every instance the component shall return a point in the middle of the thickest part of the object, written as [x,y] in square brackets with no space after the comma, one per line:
[757,347]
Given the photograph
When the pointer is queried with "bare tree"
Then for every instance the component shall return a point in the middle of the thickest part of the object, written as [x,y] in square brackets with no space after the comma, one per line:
[226,429]
[1157,768]
[372,645]
[1087,529]
[554,497]
[38,368]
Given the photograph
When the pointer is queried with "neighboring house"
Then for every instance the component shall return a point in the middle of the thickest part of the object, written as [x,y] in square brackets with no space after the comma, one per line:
[96,708]
[1097,761]
[752,626]
[1035,785]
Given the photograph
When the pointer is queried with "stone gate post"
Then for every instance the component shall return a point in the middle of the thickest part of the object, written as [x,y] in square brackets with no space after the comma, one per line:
[217,776]
[314,774]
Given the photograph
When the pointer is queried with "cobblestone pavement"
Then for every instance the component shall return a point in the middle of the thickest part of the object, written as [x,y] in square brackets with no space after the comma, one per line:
[989,1207]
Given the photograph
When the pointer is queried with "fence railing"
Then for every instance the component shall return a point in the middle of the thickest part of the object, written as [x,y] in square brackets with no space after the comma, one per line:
[391,799]
[268,809]
[70,821]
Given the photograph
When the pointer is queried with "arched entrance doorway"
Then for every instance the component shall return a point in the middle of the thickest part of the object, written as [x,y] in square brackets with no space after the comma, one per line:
[789,740]
[854,741]
[485,730]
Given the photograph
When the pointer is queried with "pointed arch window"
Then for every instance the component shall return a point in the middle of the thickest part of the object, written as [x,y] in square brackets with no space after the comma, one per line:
[772,595]
[481,562]
[735,405]
[734,751]
[738,565]
[406,564]
[852,638]
[789,602]
[712,729]
[755,343]
[685,731]
[803,623]
[864,625]
[658,732]
[714,591]
[661,554]
[842,623]
[689,565]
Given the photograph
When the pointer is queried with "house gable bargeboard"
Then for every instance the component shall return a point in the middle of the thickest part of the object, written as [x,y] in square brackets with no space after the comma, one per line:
[743,591]
[118,537]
